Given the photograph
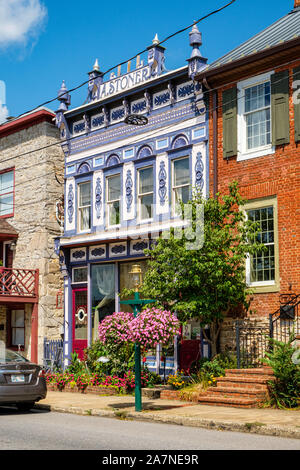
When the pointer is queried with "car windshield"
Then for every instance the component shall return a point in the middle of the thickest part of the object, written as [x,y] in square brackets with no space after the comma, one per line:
[6,355]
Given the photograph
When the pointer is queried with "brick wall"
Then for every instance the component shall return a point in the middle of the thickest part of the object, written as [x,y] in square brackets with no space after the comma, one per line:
[277,174]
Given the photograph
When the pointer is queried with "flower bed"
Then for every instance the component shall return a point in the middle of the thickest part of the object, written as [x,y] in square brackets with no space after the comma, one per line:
[94,383]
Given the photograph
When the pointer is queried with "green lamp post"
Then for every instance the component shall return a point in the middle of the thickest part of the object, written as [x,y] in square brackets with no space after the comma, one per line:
[137,303]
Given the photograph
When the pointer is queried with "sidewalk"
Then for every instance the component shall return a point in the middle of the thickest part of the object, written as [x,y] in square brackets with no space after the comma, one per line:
[265,421]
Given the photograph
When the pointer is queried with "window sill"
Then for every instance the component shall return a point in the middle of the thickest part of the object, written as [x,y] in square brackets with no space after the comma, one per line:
[264,288]
[261,152]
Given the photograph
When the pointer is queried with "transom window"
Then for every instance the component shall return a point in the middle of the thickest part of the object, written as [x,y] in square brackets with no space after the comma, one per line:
[145,193]
[258,115]
[113,199]
[84,206]
[79,275]
[7,193]
[262,264]
[181,182]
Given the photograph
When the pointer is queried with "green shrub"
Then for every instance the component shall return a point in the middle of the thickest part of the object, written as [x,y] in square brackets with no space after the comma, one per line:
[76,367]
[206,371]
[285,389]
[120,358]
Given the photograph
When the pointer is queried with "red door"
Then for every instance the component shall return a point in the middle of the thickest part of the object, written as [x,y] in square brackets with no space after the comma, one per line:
[80,321]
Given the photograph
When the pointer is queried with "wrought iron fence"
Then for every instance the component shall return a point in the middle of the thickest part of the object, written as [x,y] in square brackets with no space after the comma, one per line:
[53,354]
[286,320]
[253,341]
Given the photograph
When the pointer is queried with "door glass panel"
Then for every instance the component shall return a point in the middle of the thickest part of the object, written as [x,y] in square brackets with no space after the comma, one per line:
[81,318]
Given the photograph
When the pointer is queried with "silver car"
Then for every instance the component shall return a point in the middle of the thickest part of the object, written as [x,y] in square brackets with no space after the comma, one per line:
[21,382]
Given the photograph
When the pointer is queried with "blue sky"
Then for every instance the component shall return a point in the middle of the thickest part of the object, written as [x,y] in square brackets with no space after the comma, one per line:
[60,39]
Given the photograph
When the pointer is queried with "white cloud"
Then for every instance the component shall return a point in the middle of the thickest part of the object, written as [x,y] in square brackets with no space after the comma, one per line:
[20,21]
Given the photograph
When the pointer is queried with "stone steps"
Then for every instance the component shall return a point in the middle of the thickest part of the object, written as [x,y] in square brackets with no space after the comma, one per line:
[240,388]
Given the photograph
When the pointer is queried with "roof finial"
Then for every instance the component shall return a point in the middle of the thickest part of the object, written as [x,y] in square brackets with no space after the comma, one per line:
[96,67]
[155,41]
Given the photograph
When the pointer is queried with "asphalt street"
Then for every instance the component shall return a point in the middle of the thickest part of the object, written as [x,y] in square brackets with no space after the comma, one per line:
[42,430]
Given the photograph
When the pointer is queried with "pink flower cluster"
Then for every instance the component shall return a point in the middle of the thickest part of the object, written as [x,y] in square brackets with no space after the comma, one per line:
[151,327]
[115,327]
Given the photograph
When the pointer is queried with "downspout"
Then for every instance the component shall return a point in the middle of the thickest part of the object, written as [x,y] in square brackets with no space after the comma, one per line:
[215,136]
[35,322]
[215,142]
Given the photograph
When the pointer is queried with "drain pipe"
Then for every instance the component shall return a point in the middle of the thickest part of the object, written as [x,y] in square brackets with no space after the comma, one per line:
[215,135]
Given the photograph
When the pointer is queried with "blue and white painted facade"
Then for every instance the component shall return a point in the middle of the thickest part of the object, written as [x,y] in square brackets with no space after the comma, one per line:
[98,145]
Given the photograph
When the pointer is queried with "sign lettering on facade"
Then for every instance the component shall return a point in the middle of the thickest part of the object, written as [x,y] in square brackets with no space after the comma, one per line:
[125,82]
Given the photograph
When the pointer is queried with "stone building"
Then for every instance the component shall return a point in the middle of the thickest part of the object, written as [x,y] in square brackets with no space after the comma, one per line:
[31,190]
[134,150]
[254,139]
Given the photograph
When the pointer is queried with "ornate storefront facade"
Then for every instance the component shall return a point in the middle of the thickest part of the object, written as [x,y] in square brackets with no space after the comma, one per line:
[137,146]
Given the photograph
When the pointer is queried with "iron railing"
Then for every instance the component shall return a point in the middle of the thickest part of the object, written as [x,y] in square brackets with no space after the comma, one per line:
[286,320]
[253,341]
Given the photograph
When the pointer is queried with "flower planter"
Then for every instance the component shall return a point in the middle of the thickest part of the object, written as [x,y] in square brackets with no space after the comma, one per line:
[89,389]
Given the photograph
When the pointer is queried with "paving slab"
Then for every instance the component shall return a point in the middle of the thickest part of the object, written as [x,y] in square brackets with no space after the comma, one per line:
[266,421]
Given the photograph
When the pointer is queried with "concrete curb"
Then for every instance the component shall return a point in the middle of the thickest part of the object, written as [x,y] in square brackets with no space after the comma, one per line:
[253,428]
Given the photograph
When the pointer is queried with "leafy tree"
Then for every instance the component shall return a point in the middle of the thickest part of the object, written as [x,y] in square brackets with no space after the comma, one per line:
[206,283]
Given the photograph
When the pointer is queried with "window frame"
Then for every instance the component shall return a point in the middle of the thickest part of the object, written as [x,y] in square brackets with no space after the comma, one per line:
[110,202]
[75,268]
[174,213]
[244,153]
[80,230]
[11,214]
[264,286]
[9,326]
[140,195]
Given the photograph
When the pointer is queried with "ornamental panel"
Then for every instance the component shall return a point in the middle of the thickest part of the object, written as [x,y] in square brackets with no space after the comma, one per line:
[97,252]
[117,249]
[78,254]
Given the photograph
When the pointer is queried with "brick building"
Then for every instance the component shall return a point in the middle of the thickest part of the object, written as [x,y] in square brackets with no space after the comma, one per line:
[31,185]
[254,135]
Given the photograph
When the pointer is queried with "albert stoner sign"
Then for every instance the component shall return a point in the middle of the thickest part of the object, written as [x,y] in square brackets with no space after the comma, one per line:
[125,82]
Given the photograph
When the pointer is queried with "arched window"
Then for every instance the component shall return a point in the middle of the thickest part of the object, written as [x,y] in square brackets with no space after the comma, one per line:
[179,141]
[144,151]
[112,160]
[84,168]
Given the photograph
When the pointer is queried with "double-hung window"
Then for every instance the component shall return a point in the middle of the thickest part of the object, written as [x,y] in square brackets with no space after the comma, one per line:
[145,193]
[7,193]
[262,267]
[254,117]
[17,327]
[113,199]
[181,182]
[84,206]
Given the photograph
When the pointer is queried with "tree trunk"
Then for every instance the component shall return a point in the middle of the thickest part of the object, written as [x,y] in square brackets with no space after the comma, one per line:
[214,328]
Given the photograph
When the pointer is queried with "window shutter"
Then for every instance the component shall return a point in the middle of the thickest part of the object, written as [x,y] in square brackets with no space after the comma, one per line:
[230,122]
[280,108]
[296,73]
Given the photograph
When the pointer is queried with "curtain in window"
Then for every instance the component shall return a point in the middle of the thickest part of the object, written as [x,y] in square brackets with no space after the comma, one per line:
[103,294]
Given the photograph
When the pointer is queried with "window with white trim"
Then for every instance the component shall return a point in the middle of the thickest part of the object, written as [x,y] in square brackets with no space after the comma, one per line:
[180,182]
[254,117]
[79,275]
[262,268]
[84,206]
[145,193]
[113,199]
[17,327]
[7,193]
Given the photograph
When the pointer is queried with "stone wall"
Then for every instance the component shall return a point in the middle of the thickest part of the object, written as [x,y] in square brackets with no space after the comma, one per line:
[38,186]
